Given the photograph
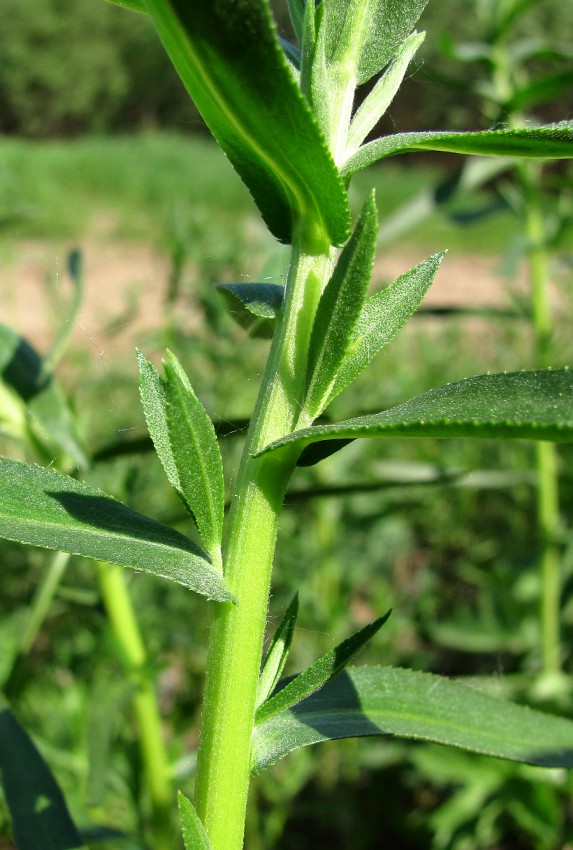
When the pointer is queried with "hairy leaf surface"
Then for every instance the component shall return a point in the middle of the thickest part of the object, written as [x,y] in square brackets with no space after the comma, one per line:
[553,141]
[339,308]
[43,508]
[315,676]
[194,835]
[365,701]
[276,656]
[526,405]
[383,315]
[228,56]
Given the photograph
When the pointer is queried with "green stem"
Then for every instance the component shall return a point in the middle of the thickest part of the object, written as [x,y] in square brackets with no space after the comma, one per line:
[154,757]
[237,631]
[546,454]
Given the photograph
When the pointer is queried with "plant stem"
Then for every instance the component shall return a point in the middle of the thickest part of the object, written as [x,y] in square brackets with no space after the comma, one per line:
[546,454]
[154,757]
[237,631]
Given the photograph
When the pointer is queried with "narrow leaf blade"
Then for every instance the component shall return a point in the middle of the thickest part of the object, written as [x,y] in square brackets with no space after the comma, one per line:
[339,308]
[316,676]
[520,405]
[230,60]
[152,394]
[553,141]
[277,653]
[40,507]
[194,835]
[364,701]
[259,300]
[196,454]
[383,315]
[40,817]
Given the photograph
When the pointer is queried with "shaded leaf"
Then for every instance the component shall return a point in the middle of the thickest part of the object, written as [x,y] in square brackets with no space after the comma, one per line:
[276,656]
[542,90]
[49,418]
[316,676]
[364,701]
[230,60]
[134,5]
[71,313]
[194,835]
[254,305]
[383,315]
[553,141]
[196,454]
[339,308]
[526,405]
[43,508]
[40,818]
[105,710]
[296,13]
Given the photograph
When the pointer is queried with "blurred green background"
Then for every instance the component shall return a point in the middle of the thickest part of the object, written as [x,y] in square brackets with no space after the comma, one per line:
[101,150]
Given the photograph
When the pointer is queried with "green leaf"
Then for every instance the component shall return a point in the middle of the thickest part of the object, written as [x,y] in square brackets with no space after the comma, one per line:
[365,701]
[250,302]
[375,105]
[526,405]
[43,508]
[185,440]
[339,308]
[71,313]
[383,315]
[40,818]
[374,29]
[316,676]
[228,56]
[542,90]
[552,141]
[196,454]
[105,711]
[277,653]
[50,422]
[194,835]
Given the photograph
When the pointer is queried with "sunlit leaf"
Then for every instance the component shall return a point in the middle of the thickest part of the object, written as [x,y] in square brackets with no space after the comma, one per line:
[377,102]
[194,836]
[322,671]
[276,656]
[526,405]
[43,508]
[230,60]
[383,315]
[40,818]
[553,141]
[339,308]
[196,454]
[364,701]
[374,31]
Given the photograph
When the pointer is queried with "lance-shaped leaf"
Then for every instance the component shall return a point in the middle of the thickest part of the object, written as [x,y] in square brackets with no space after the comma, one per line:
[277,653]
[383,315]
[526,405]
[40,817]
[375,105]
[186,443]
[296,13]
[365,701]
[194,835]
[196,454]
[43,508]
[553,141]
[316,676]
[339,308]
[373,29]
[229,58]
